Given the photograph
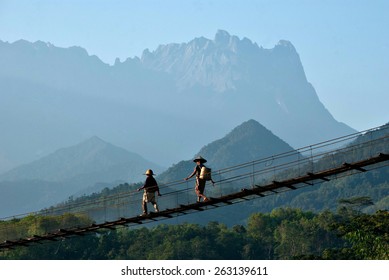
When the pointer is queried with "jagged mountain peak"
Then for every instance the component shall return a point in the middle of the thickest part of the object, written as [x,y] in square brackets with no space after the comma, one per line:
[285,44]
[222,37]
[232,82]
[219,64]
[285,50]
[222,41]
[232,43]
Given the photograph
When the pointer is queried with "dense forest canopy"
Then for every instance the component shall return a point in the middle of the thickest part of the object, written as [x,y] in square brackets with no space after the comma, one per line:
[284,233]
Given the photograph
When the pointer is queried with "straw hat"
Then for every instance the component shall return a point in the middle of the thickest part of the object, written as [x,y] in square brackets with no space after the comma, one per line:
[149,172]
[200,159]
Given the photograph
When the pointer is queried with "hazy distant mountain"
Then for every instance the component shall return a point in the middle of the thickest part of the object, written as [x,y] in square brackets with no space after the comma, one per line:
[75,170]
[164,105]
[91,161]
[247,142]
[238,80]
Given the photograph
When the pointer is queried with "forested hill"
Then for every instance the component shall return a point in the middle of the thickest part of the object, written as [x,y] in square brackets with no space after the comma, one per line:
[246,142]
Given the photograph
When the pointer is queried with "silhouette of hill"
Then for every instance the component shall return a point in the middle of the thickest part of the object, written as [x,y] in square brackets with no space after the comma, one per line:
[94,159]
[248,141]
[81,169]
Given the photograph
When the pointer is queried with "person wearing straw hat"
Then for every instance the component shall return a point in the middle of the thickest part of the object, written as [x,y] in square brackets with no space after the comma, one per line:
[200,182]
[150,187]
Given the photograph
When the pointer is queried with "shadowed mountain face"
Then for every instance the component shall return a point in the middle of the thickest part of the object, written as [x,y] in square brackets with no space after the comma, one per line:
[247,142]
[164,105]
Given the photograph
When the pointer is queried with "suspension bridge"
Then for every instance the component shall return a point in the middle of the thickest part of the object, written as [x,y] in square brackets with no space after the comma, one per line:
[321,162]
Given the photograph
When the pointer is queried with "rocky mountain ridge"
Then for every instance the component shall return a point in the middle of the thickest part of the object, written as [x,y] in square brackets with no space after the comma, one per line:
[55,96]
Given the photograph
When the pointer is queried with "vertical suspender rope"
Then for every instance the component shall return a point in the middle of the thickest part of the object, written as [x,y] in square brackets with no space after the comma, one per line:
[187,191]
[312,167]
[220,185]
[252,176]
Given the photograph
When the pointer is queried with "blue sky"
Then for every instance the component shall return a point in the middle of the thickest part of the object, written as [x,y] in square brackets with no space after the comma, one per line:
[343,44]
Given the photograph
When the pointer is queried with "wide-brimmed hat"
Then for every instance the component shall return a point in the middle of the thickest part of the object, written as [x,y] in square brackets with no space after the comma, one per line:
[200,159]
[149,172]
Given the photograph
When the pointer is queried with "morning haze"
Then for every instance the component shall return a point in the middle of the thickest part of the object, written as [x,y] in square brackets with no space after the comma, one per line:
[153,105]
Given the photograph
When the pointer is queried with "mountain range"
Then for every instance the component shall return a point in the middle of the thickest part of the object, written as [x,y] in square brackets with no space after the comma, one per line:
[163,105]
[94,164]
[86,168]
[243,140]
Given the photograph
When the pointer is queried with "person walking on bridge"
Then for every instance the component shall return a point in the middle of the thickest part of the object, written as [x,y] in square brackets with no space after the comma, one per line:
[150,187]
[200,180]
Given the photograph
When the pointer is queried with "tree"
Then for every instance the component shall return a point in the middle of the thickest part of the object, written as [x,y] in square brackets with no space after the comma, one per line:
[368,235]
[356,204]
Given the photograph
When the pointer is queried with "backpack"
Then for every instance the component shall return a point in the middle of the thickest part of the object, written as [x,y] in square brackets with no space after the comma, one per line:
[205,173]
